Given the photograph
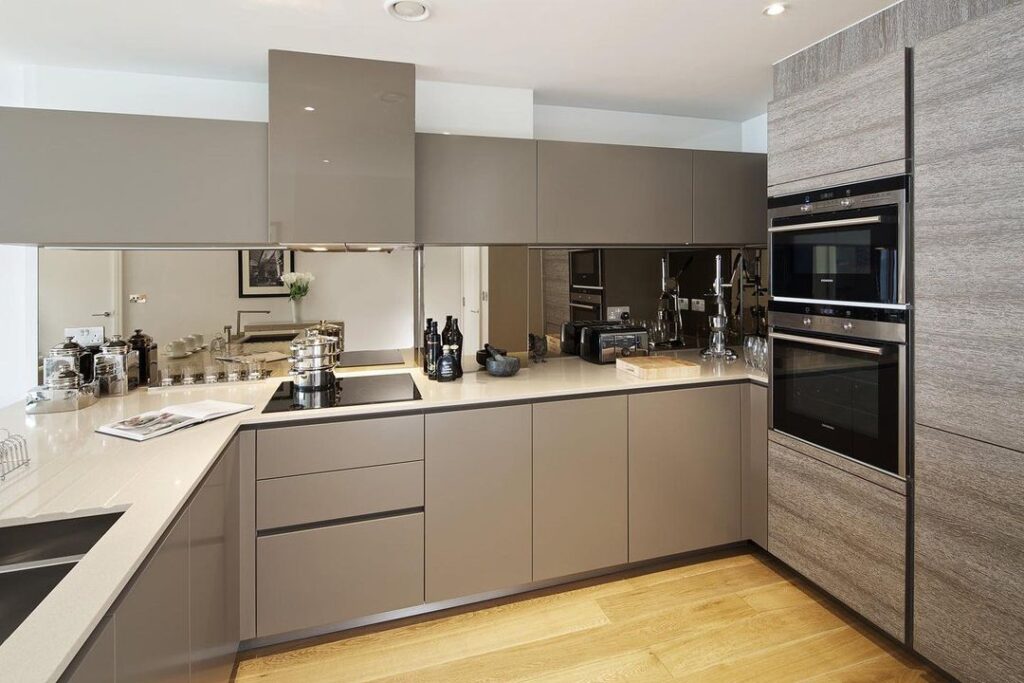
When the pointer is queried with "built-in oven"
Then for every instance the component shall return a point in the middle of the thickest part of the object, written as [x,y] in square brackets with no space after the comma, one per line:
[844,244]
[585,306]
[585,270]
[838,377]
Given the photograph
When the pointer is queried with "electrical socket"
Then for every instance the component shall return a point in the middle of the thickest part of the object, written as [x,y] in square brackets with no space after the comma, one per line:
[697,305]
[684,304]
[615,312]
[86,336]
[136,298]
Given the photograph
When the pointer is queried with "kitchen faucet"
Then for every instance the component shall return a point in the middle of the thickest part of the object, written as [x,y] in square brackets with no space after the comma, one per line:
[238,322]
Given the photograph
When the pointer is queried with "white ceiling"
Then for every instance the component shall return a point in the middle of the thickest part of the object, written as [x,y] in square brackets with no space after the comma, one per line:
[709,58]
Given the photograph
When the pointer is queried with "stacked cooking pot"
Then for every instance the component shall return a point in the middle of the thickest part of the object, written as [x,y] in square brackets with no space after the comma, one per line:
[314,356]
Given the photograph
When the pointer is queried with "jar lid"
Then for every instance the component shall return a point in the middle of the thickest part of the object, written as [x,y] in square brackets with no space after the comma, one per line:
[115,345]
[68,347]
[65,378]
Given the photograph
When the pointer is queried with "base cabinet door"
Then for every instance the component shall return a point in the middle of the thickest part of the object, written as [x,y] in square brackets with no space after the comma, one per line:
[580,465]
[214,572]
[684,470]
[968,556]
[844,533]
[328,575]
[98,664]
[478,501]
[152,622]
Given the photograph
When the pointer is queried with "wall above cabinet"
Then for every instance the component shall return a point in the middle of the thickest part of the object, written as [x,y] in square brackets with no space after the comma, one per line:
[341,150]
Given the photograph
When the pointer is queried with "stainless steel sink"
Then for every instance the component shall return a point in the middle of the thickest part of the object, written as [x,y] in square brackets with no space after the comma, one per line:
[35,557]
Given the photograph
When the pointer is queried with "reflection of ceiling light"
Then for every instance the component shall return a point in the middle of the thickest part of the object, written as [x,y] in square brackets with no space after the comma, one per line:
[375,249]
[310,108]
[446,132]
[774,9]
[326,161]
[318,248]
[408,10]
[392,97]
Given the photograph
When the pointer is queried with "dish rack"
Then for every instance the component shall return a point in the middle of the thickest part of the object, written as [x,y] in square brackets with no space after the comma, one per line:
[13,452]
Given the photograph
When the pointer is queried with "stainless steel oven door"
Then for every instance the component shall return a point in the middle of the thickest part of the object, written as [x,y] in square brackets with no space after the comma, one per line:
[848,396]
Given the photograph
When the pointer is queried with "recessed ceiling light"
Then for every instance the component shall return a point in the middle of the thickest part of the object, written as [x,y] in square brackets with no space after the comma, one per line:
[310,108]
[326,161]
[318,248]
[774,9]
[408,10]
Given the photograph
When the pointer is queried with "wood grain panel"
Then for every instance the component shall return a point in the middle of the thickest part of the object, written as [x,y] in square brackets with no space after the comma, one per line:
[287,451]
[969,556]
[594,194]
[335,573]
[475,190]
[556,290]
[968,212]
[729,205]
[842,532]
[879,35]
[479,501]
[325,496]
[684,470]
[875,476]
[925,18]
[580,467]
[888,168]
[848,122]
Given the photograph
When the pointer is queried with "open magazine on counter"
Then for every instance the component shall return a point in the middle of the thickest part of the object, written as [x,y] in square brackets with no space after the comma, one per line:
[172,418]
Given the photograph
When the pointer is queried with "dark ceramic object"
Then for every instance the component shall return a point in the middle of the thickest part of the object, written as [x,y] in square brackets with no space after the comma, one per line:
[483,354]
[502,366]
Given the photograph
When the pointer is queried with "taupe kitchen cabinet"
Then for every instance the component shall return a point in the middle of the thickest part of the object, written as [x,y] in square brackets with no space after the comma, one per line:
[580,466]
[152,621]
[478,501]
[730,198]
[475,190]
[968,554]
[842,531]
[754,399]
[341,150]
[98,664]
[213,576]
[684,470]
[613,194]
[967,211]
[848,128]
[84,178]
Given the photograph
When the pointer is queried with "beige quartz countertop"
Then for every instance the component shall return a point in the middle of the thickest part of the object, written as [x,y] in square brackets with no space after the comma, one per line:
[75,471]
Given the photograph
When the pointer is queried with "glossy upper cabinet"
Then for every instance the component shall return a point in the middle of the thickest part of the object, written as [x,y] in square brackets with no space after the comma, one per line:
[71,177]
[475,190]
[613,194]
[341,150]
[730,198]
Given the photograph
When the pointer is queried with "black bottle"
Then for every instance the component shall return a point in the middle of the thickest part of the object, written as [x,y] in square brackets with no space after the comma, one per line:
[426,333]
[446,333]
[455,341]
[446,366]
[433,351]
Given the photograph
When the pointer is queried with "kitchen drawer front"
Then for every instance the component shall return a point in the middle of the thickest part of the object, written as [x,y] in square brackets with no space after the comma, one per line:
[866,111]
[846,534]
[311,498]
[338,446]
[336,573]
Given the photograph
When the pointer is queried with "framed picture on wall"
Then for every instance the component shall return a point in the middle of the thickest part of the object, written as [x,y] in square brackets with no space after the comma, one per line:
[260,271]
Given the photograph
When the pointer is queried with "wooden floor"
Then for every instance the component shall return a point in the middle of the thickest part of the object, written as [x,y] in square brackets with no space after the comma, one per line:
[729,617]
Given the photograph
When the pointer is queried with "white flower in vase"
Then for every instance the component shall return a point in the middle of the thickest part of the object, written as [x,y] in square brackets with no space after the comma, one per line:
[298,284]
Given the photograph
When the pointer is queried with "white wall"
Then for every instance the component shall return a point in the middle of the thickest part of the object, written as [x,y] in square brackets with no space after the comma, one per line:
[462,109]
[629,128]
[197,291]
[18,359]
[755,134]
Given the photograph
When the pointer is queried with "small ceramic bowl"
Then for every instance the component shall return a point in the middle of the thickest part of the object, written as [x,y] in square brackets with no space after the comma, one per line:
[483,354]
[502,366]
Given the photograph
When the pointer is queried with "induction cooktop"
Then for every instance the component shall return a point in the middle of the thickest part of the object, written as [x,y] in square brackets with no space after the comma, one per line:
[347,391]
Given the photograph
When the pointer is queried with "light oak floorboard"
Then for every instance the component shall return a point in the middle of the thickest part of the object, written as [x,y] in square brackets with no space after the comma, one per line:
[728,616]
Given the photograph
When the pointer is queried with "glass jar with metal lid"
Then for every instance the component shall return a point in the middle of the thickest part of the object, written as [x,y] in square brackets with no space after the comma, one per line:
[117,367]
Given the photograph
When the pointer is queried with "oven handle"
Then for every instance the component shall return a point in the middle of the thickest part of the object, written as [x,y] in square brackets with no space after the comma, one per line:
[814,341]
[838,223]
[589,307]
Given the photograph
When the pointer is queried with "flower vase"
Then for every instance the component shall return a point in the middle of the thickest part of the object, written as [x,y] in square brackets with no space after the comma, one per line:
[296,310]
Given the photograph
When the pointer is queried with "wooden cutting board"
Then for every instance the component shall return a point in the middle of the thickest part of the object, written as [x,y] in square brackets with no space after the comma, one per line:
[658,367]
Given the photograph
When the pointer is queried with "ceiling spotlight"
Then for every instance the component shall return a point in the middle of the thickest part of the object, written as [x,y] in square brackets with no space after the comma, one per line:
[407,10]
[774,9]
[310,108]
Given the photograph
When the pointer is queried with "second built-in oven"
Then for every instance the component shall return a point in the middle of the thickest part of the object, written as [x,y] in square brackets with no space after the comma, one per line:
[839,380]
[844,244]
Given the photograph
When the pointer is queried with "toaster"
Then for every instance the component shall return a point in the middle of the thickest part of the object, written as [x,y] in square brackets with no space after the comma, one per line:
[604,343]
